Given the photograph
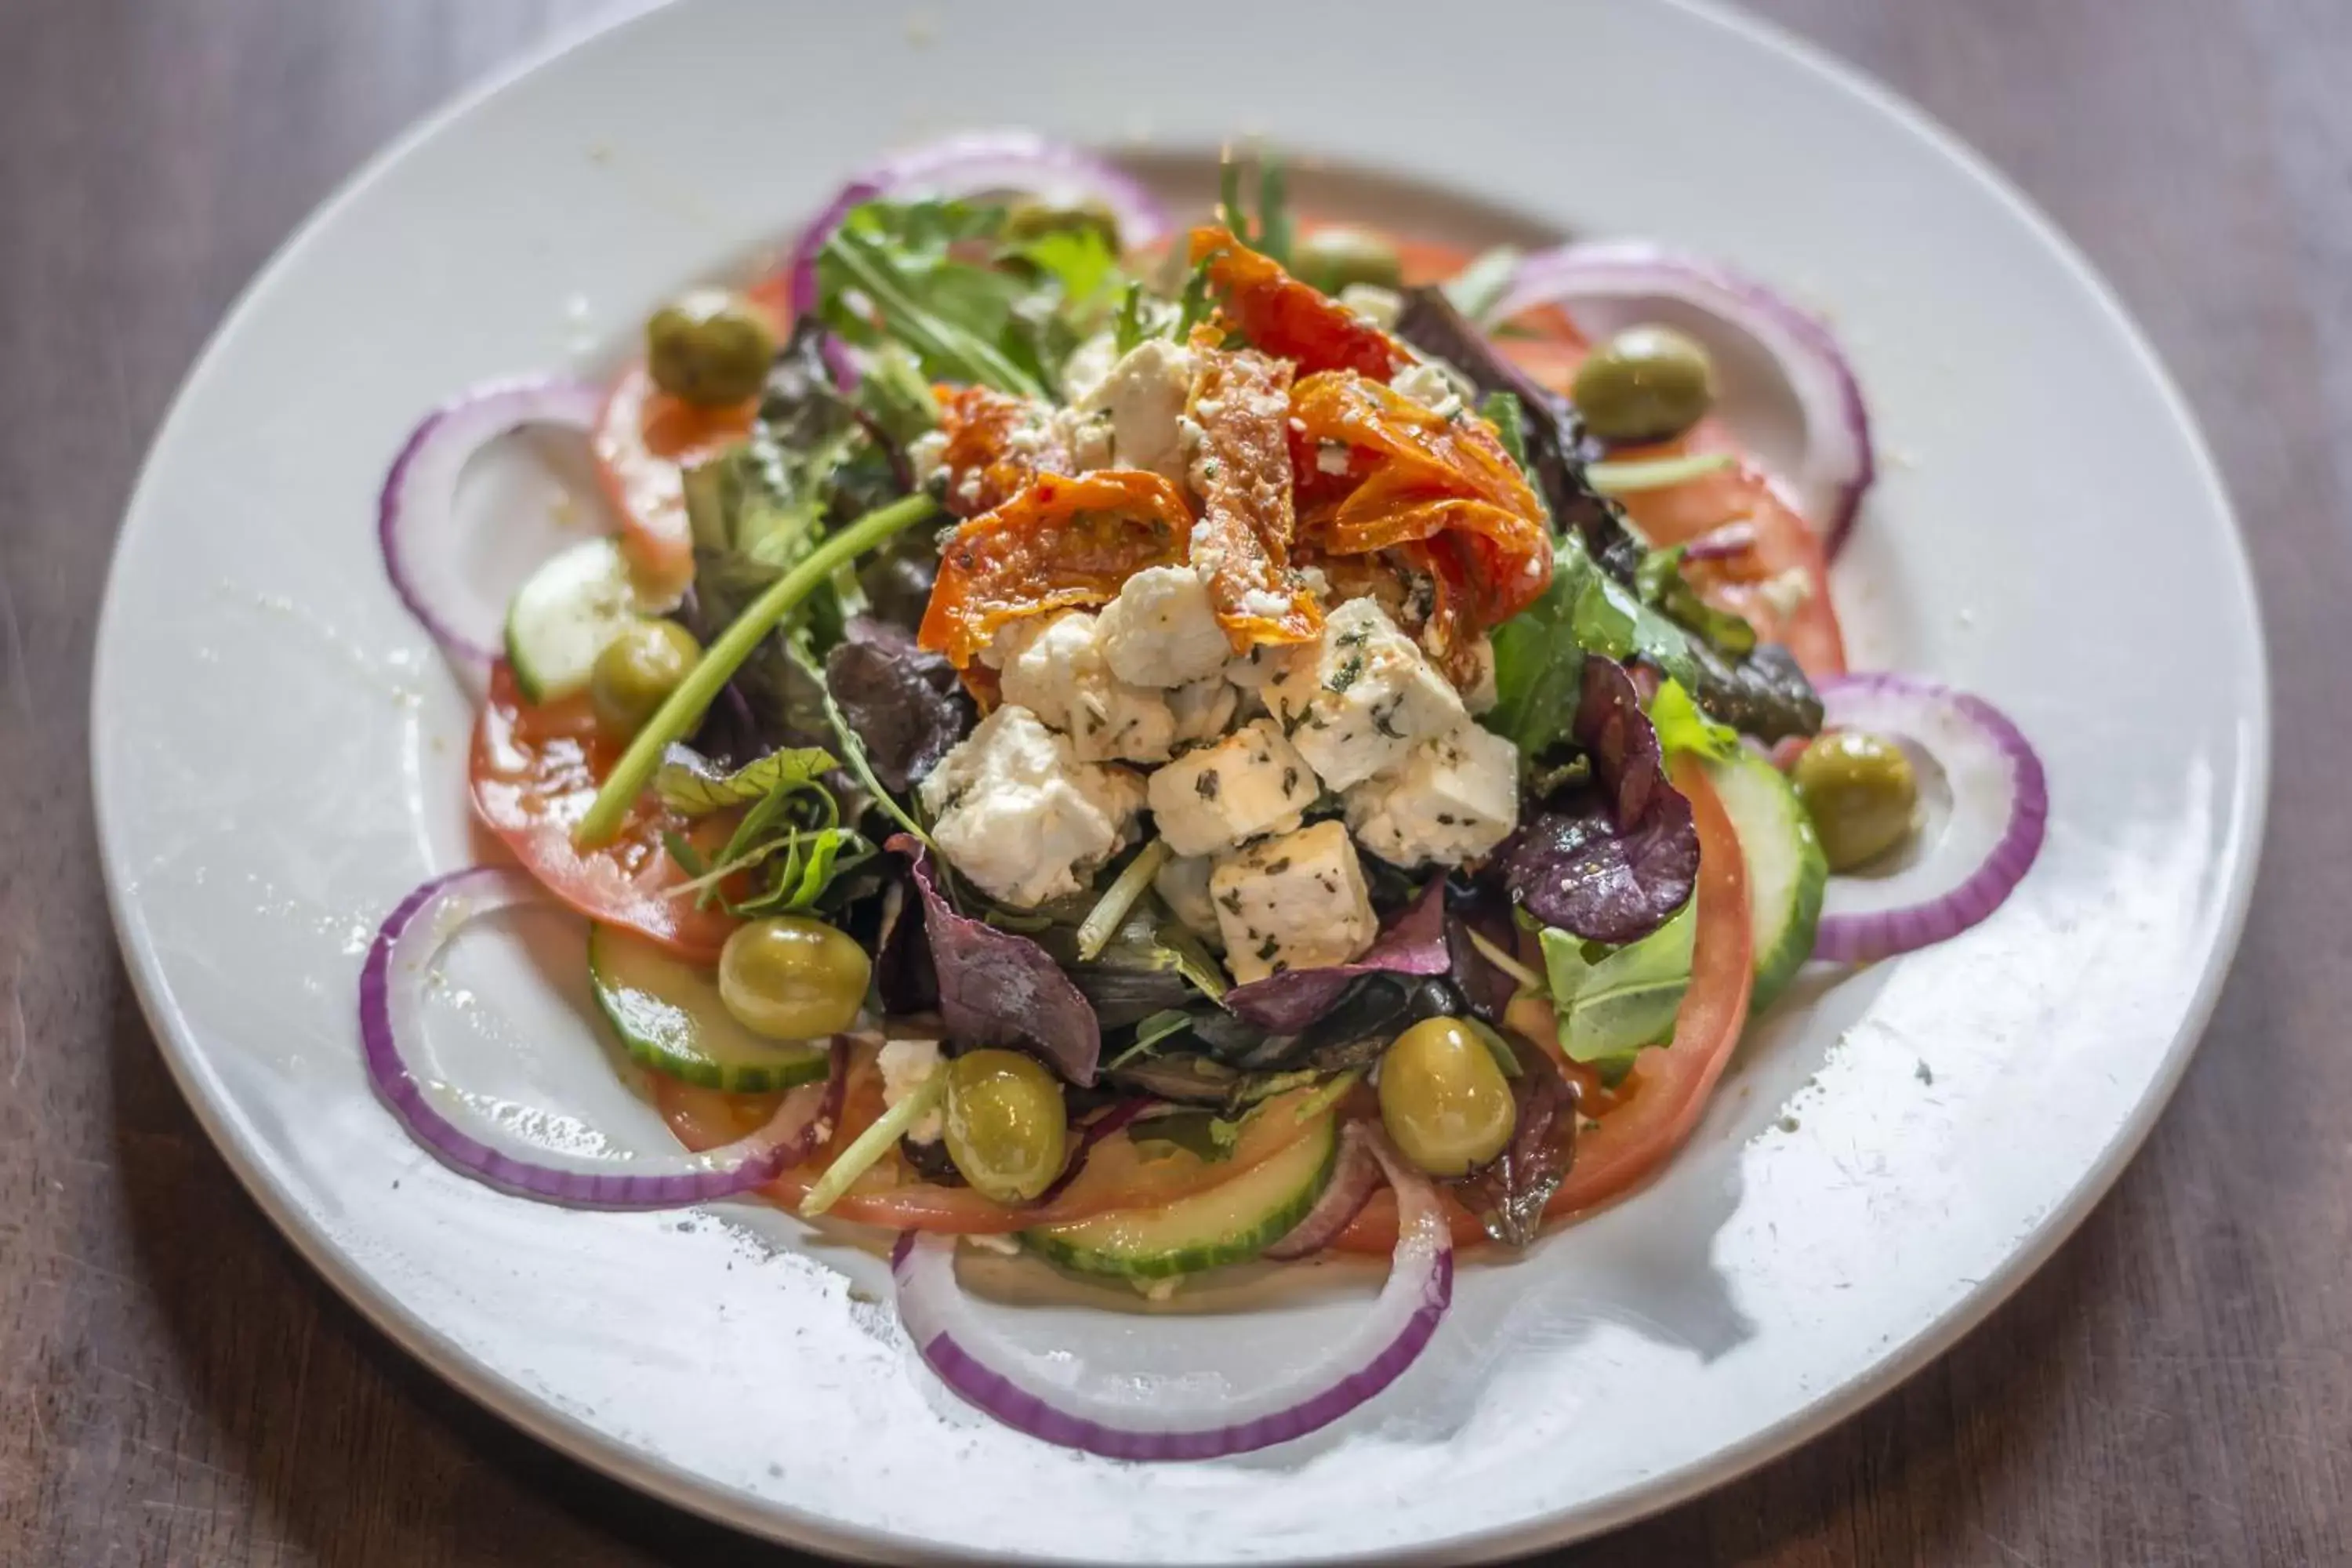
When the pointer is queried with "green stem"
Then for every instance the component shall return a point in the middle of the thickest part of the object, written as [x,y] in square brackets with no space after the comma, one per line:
[874,1142]
[1654,473]
[1102,921]
[725,656]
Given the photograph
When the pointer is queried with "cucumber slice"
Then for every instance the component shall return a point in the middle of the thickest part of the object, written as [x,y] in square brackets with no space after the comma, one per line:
[563,615]
[670,1017]
[1231,1223]
[1786,870]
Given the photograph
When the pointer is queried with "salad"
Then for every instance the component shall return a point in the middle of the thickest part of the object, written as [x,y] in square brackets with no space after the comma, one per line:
[1167,748]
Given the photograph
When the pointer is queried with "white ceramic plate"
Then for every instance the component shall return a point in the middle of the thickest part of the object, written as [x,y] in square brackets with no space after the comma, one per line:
[279,757]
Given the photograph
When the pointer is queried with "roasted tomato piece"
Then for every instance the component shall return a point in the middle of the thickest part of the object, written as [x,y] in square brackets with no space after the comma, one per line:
[1287,318]
[1060,543]
[1241,400]
[997,444]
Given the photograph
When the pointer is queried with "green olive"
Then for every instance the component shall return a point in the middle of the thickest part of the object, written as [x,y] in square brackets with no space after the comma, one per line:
[792,978]
[1443,1097]
[1861,793]
[1332,258]
[1030,220]
[710,348]
[1006,1125]
[1646,384]
[637,671]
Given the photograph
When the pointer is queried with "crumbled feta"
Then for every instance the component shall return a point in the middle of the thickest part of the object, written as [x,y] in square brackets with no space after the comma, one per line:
[1182,884]
[906,1066]
[1088,439]
[1161,630]
[925,454]
[1015,810]
[1381,306]
[1430,384]
[1456,796]
[1294,902]
[1331,457]
[1213,798]
[1089,366]
[1053,666]
[1144,395]
[1203,710]
[1356,703]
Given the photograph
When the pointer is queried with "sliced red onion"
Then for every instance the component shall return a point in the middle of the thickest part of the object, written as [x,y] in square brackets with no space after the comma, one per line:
[416,509]
[1999,809]
[391,1035]
[1354,1179]
[976,163]
[1837,465]
[1128,1417]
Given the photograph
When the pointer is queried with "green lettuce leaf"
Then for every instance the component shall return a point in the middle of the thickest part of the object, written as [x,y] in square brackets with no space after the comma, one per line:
[1613,1001]
[691,787]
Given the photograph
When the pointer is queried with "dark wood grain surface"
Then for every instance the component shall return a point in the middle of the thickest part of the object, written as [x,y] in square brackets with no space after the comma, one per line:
[177,1387]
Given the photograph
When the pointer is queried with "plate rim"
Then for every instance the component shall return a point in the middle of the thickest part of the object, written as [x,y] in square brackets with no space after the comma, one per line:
[787,1522]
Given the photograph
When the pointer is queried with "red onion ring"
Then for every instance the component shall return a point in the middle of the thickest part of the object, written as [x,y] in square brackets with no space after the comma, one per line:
[1354,1179]
[419,496]
[391,1034]
[1838,466]
[2001,810]
[978,161]
[1127,1418]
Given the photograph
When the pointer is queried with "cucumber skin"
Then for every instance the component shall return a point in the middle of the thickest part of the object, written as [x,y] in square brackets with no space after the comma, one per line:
[1054,1244]
[738,1078]
[1776,964]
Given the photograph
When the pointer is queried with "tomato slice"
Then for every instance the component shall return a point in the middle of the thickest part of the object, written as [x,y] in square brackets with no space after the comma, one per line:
[1653,1111]
[1780,586]
[1119,1173]
[644,441]
[534,771]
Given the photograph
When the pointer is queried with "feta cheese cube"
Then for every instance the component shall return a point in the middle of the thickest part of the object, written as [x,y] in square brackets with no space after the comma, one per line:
[1203,710]
[1213,798]
[906,1066]
[1456,797]
[1294,902]
[1182,884]
[1161,630]
[1015,810]
[1053,666]
[1355,703]
[1144,395]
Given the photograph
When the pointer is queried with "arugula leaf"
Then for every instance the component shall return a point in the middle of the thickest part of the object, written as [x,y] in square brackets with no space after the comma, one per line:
[1194,305]
[956,316]
[1659,581]
[1683,726]
[1508,415]
[1271,235]
[1080,261]
[1613,1001]
[1128,331]
[689,786]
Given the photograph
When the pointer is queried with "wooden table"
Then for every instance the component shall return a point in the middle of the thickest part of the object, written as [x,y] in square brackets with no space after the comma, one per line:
[176,1387]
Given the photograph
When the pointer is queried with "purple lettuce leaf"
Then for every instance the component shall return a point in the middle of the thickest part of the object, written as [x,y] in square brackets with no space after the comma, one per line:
[1575,869]
[1414,944]
[1611,860]
[1487,989]
[902,701]
[1508,1193]
[997,987]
